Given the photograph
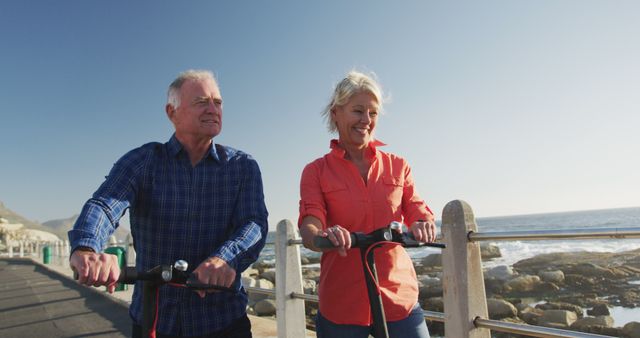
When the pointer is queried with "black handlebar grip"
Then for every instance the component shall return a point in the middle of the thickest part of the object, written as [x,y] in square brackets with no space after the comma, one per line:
[412,239]
[322,242]
[128,275]
[325,243]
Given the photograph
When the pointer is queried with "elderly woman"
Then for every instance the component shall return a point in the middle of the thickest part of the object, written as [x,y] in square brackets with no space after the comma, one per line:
[358,188]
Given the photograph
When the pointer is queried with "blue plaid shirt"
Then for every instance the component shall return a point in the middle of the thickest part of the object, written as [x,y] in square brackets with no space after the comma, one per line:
[182,212]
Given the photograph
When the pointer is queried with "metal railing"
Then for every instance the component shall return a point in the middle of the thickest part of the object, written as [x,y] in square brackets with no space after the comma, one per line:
[464,297]
[599,233]
[530,330]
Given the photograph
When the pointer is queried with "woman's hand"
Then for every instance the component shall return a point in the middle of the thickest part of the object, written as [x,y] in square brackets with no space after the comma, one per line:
[340,237]
[424,231]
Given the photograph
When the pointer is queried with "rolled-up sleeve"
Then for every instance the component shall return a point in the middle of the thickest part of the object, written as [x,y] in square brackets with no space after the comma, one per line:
[312,201]
[413,206]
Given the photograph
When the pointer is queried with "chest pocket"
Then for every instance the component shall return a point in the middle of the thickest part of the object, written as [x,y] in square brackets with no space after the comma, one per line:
[393,188]
[339,202]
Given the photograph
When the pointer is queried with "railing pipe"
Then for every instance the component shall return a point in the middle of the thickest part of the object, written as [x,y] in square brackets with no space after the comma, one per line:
[307,297]
[599,233]
[268,292]
[530,330]
[295,241]
[435,316]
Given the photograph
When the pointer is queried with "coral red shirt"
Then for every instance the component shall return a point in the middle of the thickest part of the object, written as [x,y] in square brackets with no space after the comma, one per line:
[333,191]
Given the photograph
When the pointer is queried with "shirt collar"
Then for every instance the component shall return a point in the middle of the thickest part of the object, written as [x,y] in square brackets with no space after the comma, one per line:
[340,152]
[175,147]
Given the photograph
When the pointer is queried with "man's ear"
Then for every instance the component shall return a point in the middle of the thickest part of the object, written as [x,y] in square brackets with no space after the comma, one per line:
[170,111]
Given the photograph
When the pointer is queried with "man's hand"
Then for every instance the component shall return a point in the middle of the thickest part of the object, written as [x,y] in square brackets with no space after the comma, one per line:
[95,269]
[214,271]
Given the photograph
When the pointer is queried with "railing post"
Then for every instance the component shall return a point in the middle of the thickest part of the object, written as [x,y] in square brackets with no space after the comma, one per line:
[463,282]
[290,314]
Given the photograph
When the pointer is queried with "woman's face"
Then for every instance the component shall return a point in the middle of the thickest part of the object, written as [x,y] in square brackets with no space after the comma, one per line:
[356,120]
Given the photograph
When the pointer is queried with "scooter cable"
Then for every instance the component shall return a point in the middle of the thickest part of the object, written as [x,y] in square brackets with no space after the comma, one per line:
[366,263]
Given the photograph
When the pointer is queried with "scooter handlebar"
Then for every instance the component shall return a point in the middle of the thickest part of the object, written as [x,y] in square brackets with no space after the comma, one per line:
[357,240]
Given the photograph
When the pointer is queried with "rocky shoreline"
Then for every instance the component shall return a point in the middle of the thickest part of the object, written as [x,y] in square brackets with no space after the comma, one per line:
[562,286]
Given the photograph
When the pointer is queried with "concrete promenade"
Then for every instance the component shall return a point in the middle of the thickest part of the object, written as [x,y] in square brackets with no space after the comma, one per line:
[38,300]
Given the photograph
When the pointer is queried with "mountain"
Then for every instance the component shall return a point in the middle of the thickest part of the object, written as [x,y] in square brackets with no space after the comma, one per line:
[14,217]
[62,226]
[58,227]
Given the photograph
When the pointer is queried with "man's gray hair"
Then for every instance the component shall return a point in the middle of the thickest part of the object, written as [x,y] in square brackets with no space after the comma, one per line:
[173,95]
[355,82]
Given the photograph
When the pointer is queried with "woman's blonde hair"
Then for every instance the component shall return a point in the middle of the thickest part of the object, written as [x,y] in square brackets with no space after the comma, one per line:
[354,83]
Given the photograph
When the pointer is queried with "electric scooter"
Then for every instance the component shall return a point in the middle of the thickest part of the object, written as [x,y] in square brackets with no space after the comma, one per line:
[367,243]
[174,275]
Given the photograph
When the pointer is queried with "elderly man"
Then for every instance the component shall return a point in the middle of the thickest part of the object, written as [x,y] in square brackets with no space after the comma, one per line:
[189,199]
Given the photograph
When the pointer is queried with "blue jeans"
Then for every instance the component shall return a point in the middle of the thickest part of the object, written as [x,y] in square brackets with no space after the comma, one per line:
[413,326]
[240,328]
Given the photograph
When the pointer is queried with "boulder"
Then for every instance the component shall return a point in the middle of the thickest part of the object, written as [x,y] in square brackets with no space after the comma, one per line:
[269,275]
[494,286]
[489,251]
[599,310]
[433,304]
[553,276]
[431,291]
[500,272]
[585,324]
[428,281]
[430,286]
[432,260]
[557,318]
[250,272]
[522,283]
[547,287]
[309,286]
[580,282]
[311,273]
[312,258]
[630,299]
[257,283]
[594,270]
[631,330]
[265,307]
[262,265]
[500,308]
[561,306]
[530,315]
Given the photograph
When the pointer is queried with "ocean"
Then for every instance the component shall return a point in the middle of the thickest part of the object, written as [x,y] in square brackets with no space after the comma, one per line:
[514,251]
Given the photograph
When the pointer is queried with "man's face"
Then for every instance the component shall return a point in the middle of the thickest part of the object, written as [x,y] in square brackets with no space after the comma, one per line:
[200,112]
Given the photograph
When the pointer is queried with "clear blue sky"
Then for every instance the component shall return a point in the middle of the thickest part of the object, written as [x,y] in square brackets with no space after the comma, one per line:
[513,106]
